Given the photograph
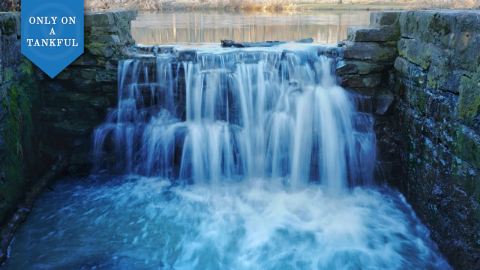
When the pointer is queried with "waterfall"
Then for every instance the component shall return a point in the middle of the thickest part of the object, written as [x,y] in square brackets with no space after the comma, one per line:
[237,114]
[206,163]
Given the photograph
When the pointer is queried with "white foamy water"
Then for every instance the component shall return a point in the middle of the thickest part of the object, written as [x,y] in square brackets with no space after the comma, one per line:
[145,223]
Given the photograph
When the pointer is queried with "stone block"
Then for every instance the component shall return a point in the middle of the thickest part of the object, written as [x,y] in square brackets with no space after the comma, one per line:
[361,81]
[87,86]
[415,51]
[101,49]
[466,51]
[98,19]
[53,86]
[106,75]
[53,114]
[465,144]
[384,18]
[369,51]
[72,129]
[110,88]
[346,67]
[366,34]
[83,114]
[63,75]
[88,73]
[359,67]
[85,59]
[413,73]
[469,100]
[105,39]
[383,102]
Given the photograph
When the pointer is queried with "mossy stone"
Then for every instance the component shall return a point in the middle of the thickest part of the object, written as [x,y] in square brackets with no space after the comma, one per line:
[469,100]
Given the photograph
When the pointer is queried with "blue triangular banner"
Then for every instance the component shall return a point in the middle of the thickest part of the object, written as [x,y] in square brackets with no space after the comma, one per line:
[52,33]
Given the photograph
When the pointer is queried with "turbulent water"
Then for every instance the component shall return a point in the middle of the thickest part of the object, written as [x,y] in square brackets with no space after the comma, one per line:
[145,223]
[228,159]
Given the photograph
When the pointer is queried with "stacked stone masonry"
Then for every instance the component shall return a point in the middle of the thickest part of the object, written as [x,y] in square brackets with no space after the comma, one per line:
[437,87]
[19,104]
[43,118]
[77,99]
[429,136]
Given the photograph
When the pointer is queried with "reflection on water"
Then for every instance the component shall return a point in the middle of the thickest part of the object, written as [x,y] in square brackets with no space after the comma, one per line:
[199,27]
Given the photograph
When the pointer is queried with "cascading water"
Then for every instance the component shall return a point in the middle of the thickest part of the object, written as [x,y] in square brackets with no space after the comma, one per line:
[274,114]
[234,159]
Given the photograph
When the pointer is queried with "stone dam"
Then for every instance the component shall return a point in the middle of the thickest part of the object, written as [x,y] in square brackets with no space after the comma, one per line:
[417,73]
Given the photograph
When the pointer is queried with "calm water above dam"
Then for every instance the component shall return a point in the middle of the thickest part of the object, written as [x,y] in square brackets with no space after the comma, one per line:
[210,27]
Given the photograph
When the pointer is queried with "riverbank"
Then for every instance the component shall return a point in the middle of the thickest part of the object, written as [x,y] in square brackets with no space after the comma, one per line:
[279,7]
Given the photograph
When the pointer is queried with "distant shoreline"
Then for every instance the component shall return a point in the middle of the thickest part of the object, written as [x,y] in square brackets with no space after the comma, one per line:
[299,7]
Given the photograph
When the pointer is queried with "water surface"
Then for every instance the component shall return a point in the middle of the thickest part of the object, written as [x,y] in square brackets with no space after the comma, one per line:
[211,27]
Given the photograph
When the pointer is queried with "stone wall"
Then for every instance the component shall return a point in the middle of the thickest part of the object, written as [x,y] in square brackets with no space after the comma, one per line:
[429,136]
[368,57]
[77,99]
[19,105]
[40,117]
[437,123]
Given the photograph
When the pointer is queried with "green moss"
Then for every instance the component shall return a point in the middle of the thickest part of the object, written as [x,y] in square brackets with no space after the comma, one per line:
[100,49]
[8,26]
[26,67]
[469,100]
[8,74]
[18,130]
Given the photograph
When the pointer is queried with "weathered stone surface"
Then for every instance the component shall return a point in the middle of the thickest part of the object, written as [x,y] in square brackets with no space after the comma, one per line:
[108,39]
[370,51]
[360,67]
[106,75]
[414,73]
[99,19]
[361,81]
[438,26]
[469,101]
[85,60]
[437,110]
[384,18]
[78,100]
[110,88]
[384,102]
[88,73]
[101,49]
[346,67]
[415,51]
[429,135]
[72,128]
[18,119]
[366,34]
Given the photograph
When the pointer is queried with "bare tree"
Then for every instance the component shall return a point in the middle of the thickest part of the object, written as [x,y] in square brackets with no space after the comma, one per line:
[10,5]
